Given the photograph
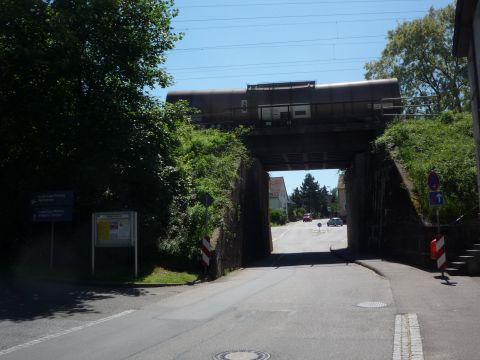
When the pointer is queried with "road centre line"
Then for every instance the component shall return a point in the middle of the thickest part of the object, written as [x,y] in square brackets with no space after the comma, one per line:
[407,343]
[65,332]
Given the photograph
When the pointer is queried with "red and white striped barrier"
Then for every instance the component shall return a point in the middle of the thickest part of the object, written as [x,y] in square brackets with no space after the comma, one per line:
[206,249]
[441,255]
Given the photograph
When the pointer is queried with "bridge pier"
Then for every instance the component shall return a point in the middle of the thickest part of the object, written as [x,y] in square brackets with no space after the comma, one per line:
[356,186]
[256,222]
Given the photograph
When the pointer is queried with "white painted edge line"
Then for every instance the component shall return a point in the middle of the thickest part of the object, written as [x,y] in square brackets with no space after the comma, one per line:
[62,333]
[407,342]
[281,235]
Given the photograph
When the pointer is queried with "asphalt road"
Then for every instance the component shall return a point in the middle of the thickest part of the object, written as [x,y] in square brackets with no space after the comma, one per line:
[301,303]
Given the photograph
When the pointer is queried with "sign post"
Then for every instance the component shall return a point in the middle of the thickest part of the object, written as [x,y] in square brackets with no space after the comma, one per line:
[52,207]
[207,200]
[436,199]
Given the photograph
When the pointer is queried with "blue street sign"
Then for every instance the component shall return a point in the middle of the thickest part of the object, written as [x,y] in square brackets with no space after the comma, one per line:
[46,214]
[433,181]
[435,198]
[52,206]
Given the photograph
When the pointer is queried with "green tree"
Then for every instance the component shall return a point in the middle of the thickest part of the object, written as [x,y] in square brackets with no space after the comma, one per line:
[75,114]
[310,193]
[295,210]
[310,197]
[419,54]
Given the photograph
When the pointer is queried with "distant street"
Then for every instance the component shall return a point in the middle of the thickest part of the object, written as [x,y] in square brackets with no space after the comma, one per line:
[301,303]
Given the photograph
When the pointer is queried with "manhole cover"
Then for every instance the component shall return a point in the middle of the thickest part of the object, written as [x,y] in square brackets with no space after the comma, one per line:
[242,355]
[372,304]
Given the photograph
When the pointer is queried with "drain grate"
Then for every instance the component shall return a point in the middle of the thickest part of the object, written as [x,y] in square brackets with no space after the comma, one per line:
[372,304]
[242,355]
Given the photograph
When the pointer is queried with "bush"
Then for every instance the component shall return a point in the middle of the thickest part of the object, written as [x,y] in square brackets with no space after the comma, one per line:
[278,217]
[445,145]
[209,160]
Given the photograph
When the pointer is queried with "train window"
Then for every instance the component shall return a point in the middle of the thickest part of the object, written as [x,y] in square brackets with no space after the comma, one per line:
[301,111]
[244,106]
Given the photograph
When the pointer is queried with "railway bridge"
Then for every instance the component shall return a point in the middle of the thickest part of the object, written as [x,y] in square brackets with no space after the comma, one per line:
[301,126]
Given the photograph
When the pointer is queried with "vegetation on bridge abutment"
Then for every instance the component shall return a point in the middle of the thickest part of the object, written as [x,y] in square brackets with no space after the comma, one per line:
[444,144]
[208,160]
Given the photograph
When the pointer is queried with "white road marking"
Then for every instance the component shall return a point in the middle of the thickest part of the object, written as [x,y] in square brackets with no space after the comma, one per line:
[65,332]
[281,235]
[407,343]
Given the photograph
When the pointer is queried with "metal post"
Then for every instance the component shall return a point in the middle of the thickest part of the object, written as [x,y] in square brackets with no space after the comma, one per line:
[136,242]
[438,234]
[52,237]
[438,221]
[206,220]
[93,244]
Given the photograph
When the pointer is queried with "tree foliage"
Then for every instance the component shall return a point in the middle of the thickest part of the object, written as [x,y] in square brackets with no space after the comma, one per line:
[419,54]
[74,110]
[208,160]
[311,197]
[278,217]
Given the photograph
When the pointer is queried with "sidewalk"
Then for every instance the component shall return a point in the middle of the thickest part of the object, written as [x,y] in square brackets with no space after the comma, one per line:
[449,314]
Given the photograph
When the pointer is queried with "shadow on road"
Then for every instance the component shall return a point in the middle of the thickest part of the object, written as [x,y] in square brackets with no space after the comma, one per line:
[298,259]
[29,300]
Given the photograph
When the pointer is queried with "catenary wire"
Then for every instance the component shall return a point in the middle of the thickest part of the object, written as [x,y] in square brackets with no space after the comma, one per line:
[297,45]
[273,63]
[301,16]
[300,63]
[294,23]
[276,43]
[289,3]
[266,74]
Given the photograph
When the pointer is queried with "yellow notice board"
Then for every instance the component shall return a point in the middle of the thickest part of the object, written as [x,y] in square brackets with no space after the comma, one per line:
[103,228]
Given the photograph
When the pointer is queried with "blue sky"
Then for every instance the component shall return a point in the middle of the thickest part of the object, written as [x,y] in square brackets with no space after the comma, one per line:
[232,43]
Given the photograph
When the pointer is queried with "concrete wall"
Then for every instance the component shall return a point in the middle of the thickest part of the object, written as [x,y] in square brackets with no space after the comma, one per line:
[356,181]
[245,235]
[257,236]
[383,216]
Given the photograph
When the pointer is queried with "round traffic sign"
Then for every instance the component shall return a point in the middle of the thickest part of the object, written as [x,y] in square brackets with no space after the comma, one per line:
[433,181]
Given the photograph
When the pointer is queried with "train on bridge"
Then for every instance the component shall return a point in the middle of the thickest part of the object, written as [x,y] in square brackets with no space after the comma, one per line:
[290,103]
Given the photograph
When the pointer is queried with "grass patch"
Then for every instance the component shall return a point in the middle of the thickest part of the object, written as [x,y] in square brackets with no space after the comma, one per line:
[122,276]
[165,276]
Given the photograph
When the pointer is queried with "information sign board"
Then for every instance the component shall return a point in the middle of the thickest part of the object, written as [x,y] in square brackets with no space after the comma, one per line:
[114,229]
[52,206]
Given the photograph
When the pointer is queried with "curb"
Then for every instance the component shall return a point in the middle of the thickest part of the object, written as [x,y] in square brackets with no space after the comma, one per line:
[358,262]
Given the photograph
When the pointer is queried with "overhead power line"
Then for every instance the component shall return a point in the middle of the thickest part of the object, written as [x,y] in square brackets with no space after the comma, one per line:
[294,23]
[301,16]
[289,3]
[267,74]
[298,45]
[273,63]
[282,43]
[303,64]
